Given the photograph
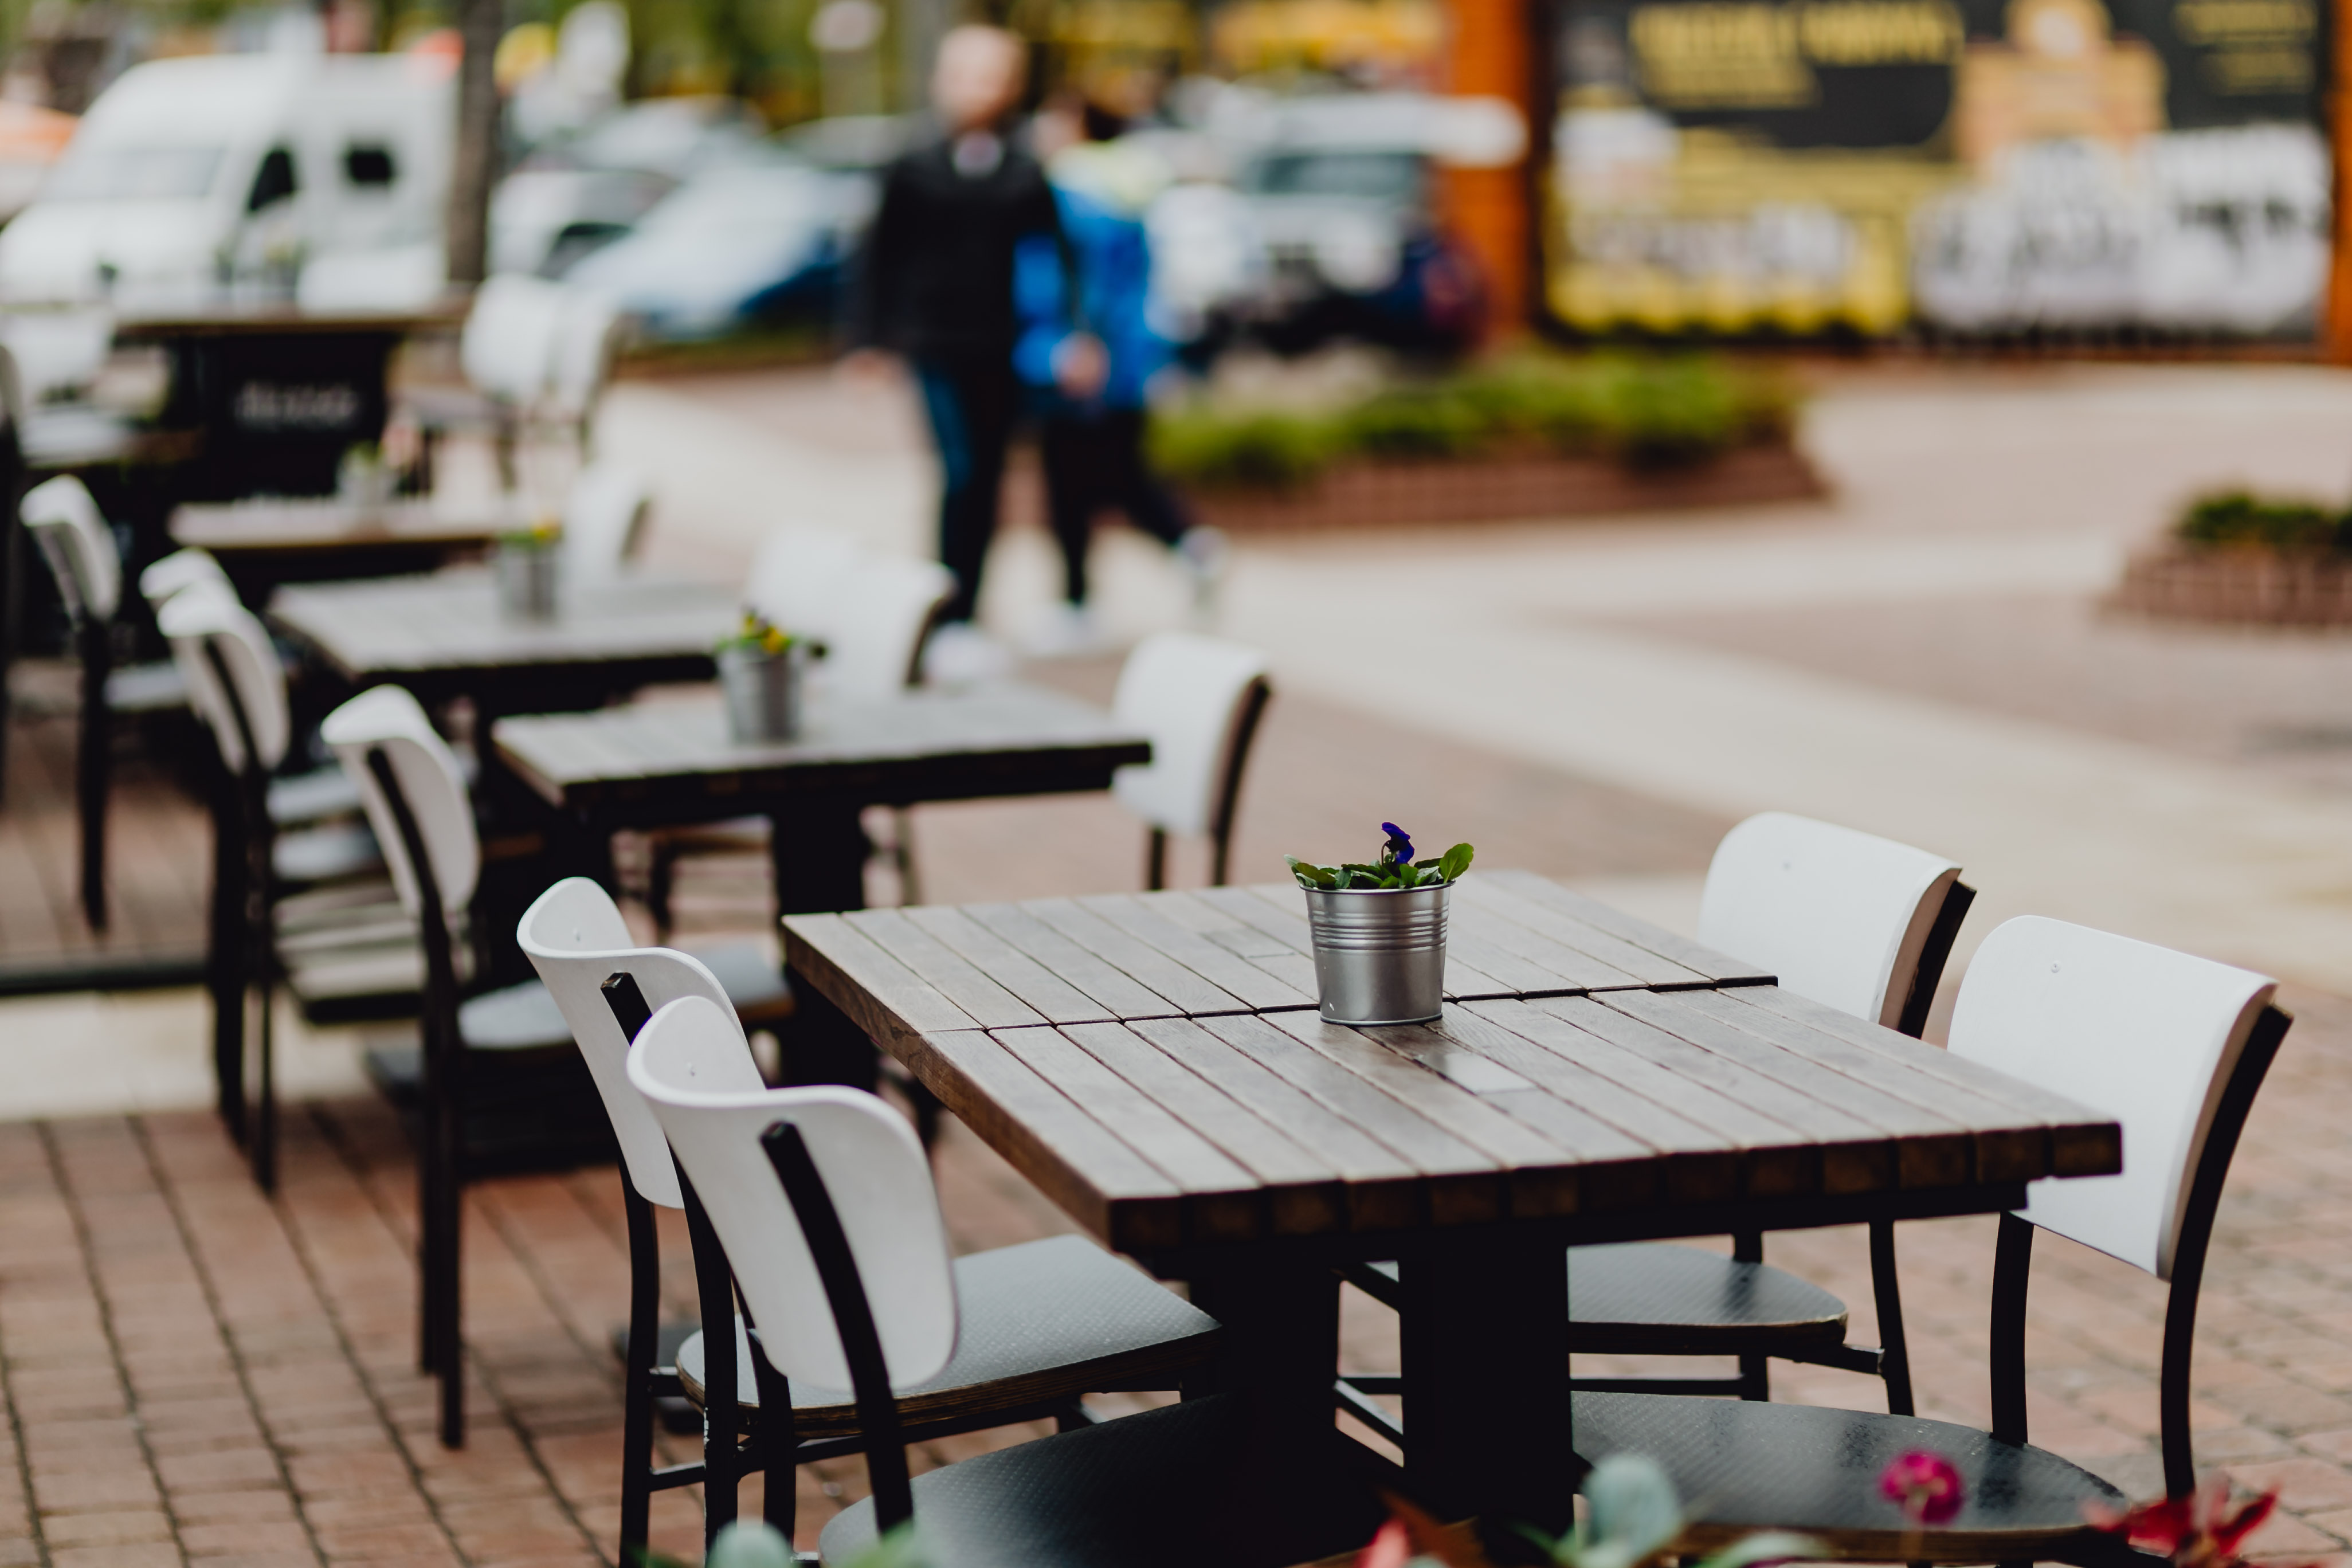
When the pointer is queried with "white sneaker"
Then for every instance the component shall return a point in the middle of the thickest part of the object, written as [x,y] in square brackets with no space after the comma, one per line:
[1204,552]
[961,654]
[1068,631]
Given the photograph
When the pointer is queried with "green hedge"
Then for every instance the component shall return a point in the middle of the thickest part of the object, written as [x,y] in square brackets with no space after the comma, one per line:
[1645,411]
[2243,519]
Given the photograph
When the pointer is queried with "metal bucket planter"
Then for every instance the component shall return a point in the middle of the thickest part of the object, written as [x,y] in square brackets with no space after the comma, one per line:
[1380,952]
[526,574]
[763,691]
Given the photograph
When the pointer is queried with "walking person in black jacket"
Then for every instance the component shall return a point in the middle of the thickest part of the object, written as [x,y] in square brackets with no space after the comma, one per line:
[936,286]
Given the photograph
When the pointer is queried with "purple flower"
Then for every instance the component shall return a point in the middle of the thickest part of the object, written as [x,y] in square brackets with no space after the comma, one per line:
[1928,1486]
[1399,844]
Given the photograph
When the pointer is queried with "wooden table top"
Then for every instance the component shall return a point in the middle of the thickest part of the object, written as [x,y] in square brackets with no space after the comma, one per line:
[672,760]
[451,622]
[226,320]
[1154,1062]
[326,523]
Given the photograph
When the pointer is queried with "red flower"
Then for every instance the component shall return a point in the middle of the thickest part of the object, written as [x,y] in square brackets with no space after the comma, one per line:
[2199,1530]
[1926,1485]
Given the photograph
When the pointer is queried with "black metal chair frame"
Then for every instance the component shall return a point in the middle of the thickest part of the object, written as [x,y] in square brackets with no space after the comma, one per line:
[1889,1361]
[1229,792]
[730,1452]
[241,939]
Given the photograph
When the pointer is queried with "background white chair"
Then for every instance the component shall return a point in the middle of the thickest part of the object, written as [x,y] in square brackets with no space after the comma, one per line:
[80,549]
[2171,1046]
[604,520]
[1040,1324]
[1853,922]
[1199,700]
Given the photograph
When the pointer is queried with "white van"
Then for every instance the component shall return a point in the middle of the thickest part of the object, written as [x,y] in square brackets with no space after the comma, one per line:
[188,177]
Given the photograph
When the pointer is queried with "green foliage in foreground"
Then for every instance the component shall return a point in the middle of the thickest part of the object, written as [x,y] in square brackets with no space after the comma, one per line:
[1643,411]
[2239,519]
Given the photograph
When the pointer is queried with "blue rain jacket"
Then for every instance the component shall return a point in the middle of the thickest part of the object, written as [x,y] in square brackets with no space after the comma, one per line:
[1114,265]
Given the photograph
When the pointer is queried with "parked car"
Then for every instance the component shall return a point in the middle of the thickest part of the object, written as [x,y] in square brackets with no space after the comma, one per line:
[571,196]
[188,175]
[734,247]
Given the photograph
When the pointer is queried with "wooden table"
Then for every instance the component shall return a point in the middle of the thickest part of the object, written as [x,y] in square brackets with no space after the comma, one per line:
[657,765]
[445,636]
[1154,1062]
[266,542]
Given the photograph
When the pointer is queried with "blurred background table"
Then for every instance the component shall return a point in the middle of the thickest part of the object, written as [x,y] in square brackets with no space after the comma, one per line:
[265,542]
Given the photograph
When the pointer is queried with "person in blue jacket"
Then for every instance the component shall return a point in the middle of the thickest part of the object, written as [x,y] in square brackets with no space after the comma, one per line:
[1092,447]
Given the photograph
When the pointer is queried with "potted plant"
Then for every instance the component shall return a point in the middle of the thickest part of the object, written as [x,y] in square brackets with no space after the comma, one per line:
[760,676]
[1379,930]
[526,565]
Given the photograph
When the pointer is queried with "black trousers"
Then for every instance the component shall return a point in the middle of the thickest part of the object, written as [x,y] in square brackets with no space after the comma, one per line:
[972,401]
[1094,463]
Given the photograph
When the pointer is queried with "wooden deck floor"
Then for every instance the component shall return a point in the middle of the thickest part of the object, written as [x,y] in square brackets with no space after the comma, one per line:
[158,859]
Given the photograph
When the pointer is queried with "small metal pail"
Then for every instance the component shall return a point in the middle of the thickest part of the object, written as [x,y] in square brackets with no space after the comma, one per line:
[1380,952]
[762,690]
[526,574]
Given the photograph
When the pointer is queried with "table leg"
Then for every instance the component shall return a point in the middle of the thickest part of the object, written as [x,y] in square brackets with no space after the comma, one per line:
[1486,1418]
[818,849]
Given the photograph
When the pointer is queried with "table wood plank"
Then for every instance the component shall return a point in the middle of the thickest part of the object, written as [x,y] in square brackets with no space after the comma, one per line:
[1221,1198]
[2079,1144]
[1463,1183]
[1191,994]
[1571,970]
[1719,968]
[887,999]
[1645,966]
[1266,944]
[1256,988]
[1380,1187]
[1096,1178]
[1933,1150]
[1044,992]
[1473,968]
[1303,1194]
[1538,1181]
[1118,994]
[990,1005]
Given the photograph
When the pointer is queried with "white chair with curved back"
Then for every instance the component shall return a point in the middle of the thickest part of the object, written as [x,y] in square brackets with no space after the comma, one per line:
[79,549]
[1200,698]
[2173,1047]
[587,340]
[1053,1319]
[604,520]
[500,1085]
[507,351]
[949,1344]
[1847,919]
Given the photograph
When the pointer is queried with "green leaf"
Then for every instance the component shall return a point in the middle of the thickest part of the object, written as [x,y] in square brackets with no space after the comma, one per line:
[1631,1507]
[1312,876]
[1455,861]
[749,1544]
[1771,1546]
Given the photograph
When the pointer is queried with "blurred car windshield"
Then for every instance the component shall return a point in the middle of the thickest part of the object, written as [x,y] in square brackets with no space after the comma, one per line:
[134,174]
[1366,176]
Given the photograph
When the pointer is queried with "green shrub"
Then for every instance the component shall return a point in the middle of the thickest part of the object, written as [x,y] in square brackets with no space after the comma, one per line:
[1416,422]
[1252,449]
[2243,519]
[1665,412]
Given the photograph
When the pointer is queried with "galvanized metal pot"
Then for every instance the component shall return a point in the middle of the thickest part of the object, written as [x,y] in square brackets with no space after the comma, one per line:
[762,690]
[526,574]
[1380,952]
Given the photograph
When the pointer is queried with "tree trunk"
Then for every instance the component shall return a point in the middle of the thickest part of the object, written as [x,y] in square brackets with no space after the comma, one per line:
[474,166]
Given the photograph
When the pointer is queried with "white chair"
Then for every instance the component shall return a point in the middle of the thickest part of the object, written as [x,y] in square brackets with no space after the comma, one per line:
[1199,700]
[2174,1048]
[1855,922]
[79,549]
[180,569]
[604,520]
[794,571]
[587,340]
[952,1343]
[508,352]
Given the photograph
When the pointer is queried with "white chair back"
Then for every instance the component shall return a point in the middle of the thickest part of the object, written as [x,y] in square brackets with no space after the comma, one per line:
[604,520]
[587,338]
[179,570]
[1841,917]
[387,718]
[508,349]
[56,353]
[877,614]
[794,574]
[574,936]
[206,616]
[2140,1033]
[687,1064]
[1188,692]
[78,545]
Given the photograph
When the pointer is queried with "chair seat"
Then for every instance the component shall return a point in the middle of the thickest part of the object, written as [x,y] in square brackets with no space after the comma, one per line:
[313,797]
[1152,1490]
[1746,1467]
[325,853]
[146,688]
[754,981]
[1039,1322]
[1647,1297]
